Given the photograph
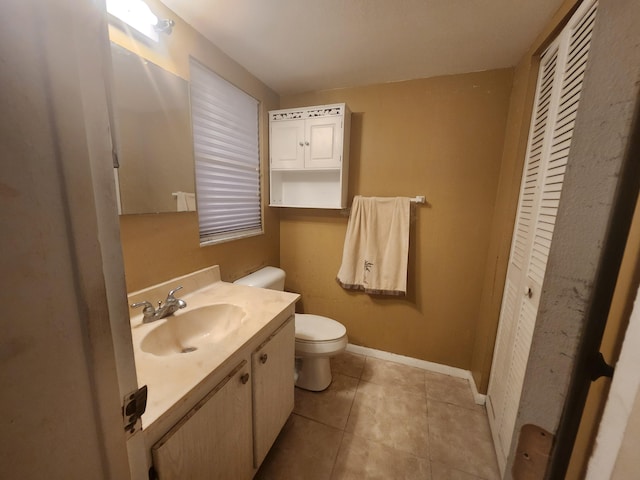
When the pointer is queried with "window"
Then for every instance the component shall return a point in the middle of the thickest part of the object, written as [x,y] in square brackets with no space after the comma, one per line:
[225,138]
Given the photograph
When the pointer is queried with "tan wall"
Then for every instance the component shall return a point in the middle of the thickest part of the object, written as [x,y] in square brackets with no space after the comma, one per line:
[442,138]
[158,247]
[516,135]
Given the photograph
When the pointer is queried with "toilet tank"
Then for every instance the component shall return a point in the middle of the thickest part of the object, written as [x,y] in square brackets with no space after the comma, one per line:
[267,277]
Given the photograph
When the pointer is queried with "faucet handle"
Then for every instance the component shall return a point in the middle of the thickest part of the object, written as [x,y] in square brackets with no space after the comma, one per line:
[148,308]
[171,292]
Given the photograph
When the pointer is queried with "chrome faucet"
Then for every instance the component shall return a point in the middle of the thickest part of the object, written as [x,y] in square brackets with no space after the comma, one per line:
[171,305]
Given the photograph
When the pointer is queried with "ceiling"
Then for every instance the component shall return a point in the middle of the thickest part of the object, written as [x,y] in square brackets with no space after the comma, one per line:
[305,45]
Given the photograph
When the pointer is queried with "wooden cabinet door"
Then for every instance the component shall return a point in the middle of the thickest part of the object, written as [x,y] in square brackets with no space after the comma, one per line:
[323,142]
[272,365]
[214,440]
[287,144]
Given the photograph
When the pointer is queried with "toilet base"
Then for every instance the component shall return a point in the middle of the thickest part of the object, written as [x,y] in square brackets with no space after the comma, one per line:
[313,373]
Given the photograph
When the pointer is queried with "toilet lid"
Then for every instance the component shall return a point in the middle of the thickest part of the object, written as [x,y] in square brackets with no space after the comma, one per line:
[317,328]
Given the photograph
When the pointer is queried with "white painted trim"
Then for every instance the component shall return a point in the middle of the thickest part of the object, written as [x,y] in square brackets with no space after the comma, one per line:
[423,364]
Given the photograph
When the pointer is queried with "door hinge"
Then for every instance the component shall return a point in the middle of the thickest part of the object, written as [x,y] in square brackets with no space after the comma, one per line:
[134,405]
[599,368]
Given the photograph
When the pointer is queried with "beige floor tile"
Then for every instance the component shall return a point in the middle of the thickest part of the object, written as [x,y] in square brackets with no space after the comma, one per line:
[331,406]
[305,449]
[444,388]
[348,363]
[383,372]
[459,437]
[390,416]
[359,458]
[440,471]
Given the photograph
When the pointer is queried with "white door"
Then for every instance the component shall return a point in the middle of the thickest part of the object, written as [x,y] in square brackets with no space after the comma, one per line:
[287,144]
[557,96]
[323,142]
[63,377]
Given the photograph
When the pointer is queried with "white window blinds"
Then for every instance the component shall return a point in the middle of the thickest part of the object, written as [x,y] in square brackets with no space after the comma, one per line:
[225,138]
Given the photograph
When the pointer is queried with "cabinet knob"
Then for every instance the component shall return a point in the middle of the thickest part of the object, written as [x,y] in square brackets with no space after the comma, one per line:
[244,378]
[528,292]
[301,144]
[306,143]
[263,358]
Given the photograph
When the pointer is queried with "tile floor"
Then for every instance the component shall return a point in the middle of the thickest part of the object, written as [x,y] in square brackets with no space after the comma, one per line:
[384,420]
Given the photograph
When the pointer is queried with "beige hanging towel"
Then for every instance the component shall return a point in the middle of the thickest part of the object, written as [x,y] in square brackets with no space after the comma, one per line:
[376,246]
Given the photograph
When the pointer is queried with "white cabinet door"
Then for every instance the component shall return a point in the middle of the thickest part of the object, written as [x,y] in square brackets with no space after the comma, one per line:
[323,142]
[272,365]
[214,440]
[310,143]
[287,144]
[557,97]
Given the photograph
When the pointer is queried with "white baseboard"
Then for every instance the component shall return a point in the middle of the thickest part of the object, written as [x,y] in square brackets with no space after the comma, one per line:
[423,364]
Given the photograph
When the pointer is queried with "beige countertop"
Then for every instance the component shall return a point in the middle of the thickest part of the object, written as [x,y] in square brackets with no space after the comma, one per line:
[170,378]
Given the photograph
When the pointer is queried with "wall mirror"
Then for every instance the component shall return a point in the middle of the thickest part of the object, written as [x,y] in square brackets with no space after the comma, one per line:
[153,136]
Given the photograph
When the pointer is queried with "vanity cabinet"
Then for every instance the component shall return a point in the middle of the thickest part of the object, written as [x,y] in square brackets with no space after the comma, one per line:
[214,440]
[309,156]
[228,433]
[272,365]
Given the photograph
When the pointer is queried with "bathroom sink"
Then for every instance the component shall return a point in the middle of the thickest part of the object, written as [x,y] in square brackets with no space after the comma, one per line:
[190,330]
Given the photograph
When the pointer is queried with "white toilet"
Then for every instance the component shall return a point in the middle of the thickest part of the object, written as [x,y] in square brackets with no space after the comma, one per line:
[317,338]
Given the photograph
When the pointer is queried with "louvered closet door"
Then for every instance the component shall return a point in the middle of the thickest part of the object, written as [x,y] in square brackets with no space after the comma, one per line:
[555,106]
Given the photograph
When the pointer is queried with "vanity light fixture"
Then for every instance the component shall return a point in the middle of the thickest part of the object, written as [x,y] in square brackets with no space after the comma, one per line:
[137,15]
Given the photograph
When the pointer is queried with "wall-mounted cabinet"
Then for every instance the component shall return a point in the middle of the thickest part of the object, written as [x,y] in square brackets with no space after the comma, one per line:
[309,156]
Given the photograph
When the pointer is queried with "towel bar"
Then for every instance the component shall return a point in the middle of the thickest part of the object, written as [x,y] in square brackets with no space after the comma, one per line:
[418,199]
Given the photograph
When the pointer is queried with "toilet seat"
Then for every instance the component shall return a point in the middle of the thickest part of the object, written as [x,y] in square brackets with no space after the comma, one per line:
[316,328]
[319,336]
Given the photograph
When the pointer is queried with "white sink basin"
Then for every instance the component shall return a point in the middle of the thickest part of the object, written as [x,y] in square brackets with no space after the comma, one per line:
[188,331]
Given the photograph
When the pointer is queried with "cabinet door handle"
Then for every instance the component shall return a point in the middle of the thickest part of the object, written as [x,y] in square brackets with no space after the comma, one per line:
[301,144]
[528,292]
[244,378]
[306,143]
[263,358]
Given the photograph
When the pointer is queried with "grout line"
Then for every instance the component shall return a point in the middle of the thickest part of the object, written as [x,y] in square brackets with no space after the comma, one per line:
[335,460]
[353,400]
[429,440]
[344,430]
[422,364]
